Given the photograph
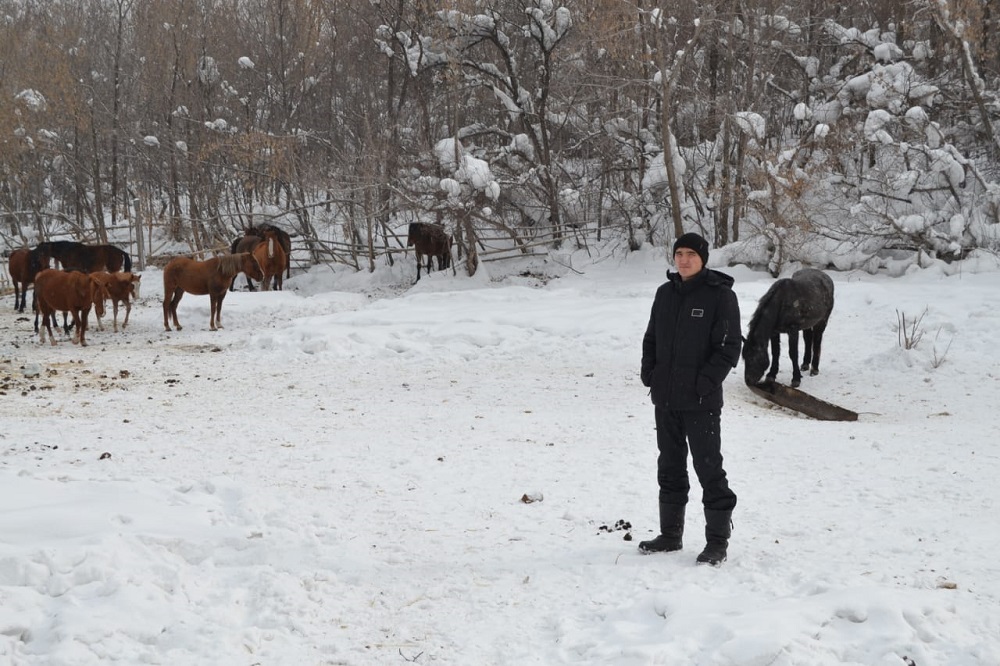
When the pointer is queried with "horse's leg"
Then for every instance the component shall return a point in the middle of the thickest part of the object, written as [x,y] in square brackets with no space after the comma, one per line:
[80,319]
[174,300]
[818,330]
[166,310]
[128,311]
[807,354]
[772,373]
[100,326]
[793,354]
[217,310]
[47,321]
[213,309]
[420,260]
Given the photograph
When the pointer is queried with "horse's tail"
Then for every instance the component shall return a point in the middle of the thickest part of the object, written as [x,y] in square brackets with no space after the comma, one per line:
[127,260]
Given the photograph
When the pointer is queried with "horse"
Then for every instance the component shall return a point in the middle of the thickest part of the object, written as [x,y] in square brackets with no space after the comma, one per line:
[800,303]
[73,256]
[121,289]
[253,235]
[67,291]
[271,258]
[24,265]
[212,276]
[245,244]
[433,241]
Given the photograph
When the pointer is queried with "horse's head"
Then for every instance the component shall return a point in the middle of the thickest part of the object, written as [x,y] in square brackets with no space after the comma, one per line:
[755,361]
[99,292]
[251,267]
[39,258]
[413,233]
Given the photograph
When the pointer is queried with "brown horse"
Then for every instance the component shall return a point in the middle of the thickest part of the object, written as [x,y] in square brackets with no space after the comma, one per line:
[211,277]
[71,292]
[286,243]
[245,244]
[75,256]
[271,257]
[433,241]
[23,265]
[121,289]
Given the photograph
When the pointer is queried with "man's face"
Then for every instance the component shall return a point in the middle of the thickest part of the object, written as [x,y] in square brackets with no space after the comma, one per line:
[688,262]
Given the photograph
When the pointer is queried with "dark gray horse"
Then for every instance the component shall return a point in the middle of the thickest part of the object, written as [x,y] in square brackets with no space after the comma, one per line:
[800,303]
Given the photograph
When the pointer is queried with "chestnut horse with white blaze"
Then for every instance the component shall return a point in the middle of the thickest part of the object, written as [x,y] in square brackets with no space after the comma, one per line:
[272,259]
[212,276]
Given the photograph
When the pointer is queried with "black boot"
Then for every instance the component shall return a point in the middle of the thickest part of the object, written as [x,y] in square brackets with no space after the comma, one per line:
[671,531]
[718,528]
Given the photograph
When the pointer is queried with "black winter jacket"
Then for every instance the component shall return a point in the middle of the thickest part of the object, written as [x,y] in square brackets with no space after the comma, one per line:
[692,341]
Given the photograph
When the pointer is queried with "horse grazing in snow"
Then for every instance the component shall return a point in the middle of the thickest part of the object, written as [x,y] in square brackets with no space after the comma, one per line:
[800,303]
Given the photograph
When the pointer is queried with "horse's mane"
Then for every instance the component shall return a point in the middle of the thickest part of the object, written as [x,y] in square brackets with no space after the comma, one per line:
[231,264]
[765,315]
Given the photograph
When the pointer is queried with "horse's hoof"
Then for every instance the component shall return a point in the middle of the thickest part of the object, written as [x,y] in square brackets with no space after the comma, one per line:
[796,383]
[814,372]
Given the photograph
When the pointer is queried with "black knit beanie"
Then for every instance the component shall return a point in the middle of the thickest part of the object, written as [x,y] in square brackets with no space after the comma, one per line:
[694,242]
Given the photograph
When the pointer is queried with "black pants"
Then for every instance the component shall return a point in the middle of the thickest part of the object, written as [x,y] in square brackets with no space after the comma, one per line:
[675,431]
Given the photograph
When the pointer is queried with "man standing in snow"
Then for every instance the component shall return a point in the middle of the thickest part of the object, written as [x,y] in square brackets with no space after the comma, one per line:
[691,343]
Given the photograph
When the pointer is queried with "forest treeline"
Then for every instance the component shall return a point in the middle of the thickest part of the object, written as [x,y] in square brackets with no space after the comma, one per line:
[806,128]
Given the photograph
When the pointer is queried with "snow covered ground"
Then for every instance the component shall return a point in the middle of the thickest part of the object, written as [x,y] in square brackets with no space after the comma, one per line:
[336,478]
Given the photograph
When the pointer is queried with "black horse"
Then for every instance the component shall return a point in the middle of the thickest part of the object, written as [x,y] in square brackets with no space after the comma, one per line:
[800,303]
[73,256]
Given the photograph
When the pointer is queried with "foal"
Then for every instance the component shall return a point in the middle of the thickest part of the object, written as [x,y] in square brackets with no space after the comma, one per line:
[121,289]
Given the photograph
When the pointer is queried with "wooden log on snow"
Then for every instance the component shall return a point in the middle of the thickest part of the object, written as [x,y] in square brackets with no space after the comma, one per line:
[802,402]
